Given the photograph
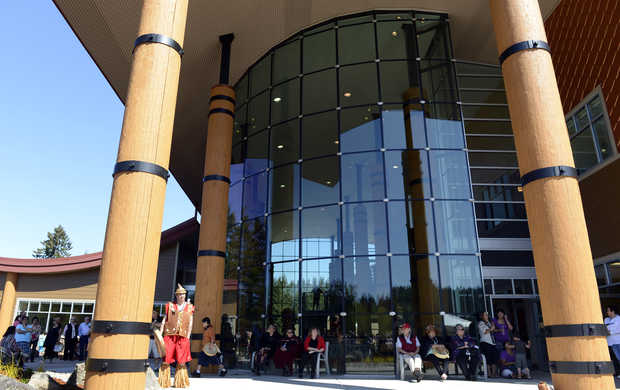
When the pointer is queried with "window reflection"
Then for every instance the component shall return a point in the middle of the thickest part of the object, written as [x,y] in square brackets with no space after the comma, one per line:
[260,76]
[254,195]
[455,227]
[321,286]
[461,284]
[285,101]
[396,40]
[234,203]
[320,232]
[286,62]
[284,236]
[319,183]
[256,159]
[364,230]
[362,176]
[319,91]
[319,51]
[356,44]
[407,174]
[358,85]
[319,135]
[284,289]
[367,284]
[258,113]
[449,174]
[399,81]
[284,143]
[411,227]
[360,129]
[403,130]
[284,183]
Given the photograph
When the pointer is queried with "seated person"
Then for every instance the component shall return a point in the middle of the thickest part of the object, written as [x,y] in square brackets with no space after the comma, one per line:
[521,356]
[433,350]
[507,361]
[466,353]
[10,352]
[267,346]
[408,346]
[214,356]
[314,345]
[287,353]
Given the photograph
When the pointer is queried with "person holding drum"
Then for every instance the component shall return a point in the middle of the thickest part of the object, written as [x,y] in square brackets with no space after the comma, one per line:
[434,350]
[210,353]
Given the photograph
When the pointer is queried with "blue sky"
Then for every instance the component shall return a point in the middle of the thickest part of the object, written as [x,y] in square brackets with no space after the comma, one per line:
[60,123]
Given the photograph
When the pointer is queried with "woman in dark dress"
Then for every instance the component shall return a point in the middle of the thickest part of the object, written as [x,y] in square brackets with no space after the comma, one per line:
[466,353]
[50,341]
[268,345]
[287,353]
[434,350]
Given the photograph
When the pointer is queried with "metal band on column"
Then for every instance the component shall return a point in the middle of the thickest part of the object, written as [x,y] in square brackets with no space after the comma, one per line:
[121,327]
[141,166]
[158,38]
[525,45]
[116,365]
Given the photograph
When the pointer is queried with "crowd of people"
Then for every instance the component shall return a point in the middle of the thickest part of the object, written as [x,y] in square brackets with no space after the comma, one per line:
[24,340]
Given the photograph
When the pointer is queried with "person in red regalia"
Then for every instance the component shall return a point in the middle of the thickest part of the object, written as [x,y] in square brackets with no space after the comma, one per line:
[177,330]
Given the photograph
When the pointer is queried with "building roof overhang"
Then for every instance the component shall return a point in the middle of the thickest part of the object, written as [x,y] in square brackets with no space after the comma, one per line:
[107,30]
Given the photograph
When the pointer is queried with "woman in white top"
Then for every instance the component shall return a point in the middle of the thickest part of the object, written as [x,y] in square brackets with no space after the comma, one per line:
[486,327]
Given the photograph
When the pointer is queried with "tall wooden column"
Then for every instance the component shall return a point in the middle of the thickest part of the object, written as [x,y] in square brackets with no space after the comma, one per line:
[567,285]
[214,209]
[8,301]
[119,344]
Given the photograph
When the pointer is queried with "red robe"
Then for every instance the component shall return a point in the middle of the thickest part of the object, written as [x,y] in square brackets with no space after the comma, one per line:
[177,333]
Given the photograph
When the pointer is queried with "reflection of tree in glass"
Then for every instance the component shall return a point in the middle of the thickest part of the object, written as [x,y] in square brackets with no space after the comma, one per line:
[252,273]
[233,245]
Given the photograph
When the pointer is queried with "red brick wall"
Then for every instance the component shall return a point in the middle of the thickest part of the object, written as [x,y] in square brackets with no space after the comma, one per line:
[584,36]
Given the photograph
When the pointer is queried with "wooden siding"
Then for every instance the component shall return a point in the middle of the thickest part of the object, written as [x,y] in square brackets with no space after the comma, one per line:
[74,285]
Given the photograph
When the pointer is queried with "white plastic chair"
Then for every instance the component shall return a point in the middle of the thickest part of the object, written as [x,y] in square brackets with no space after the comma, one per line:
[252,360]
[324,356]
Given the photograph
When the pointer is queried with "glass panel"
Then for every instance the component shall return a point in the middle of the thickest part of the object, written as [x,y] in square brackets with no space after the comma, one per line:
[583,150]
[77,307]
[433,41]
[403,130]
[319,51]
[233,248]
[486,112]
[260,76]
[55,307]
[241,90]
[602,135]
[403,289]
[488,127]
[395,16]
[364,230]
[570,125]
[509,193]
[356,44]
[487,82]
[482,96]
[454,222]
[507,258]
[523,286]
[320,181]
[367,285]
[438,83]
[461,284]
[488,286]
[253,250]
[490,143]
[503,229]
[596,107]
[319,135]
[362,177]
[285,101]
[286,61]
[258,112]
[319,91]
[358,85]
[399,81]
[368,346]
[443,126]
[500,211]
[582,118]
[240,125]
[464,67]
[449,174]
[503,286]
[614,272]
[285,188]
[407,174]
[320,228]
[23,306]
[601,274]
[237,163]
[411,227]
[235,194]
[360,129]
[254,196]
[495,159]
[256,160]
[497,176]
[88,308]
[355,20]
[321,285]
[285,143]
[319,28]
[285,289]
[396,40]
[45,307]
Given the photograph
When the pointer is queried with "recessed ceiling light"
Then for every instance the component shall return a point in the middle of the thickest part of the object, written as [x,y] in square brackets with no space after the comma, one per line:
[277,99]
[336,142]
[280,146]
[347,94]
[282,185]
[395,166]
[365,118]
[328,182]
[394,34]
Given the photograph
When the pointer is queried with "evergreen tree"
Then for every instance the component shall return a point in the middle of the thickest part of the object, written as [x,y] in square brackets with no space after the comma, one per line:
[57,244]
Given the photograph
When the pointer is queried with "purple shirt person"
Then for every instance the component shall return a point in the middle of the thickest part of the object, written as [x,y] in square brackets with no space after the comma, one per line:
[502,329]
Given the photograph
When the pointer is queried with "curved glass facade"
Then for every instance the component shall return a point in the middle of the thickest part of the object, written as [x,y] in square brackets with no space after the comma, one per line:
[351,194]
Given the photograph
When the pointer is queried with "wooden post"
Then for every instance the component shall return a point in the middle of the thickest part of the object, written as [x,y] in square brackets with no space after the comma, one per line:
[214,212]
[214,209]
[567,285]
[8,301]
[127,277]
